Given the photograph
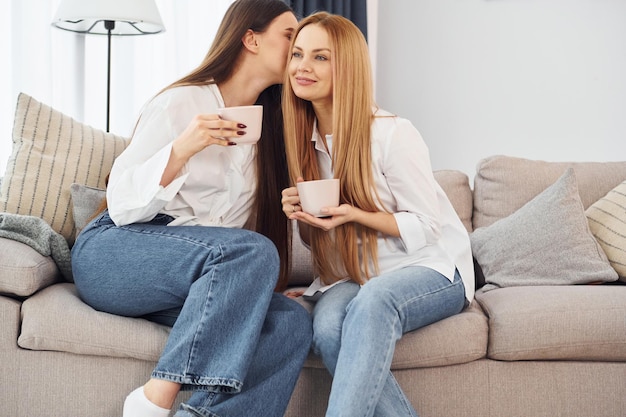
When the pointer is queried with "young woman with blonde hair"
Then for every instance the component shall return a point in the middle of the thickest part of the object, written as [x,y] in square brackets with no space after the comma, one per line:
[172,246]
[393,256]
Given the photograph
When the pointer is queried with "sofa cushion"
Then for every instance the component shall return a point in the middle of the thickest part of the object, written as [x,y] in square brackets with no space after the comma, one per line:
[56,319]
[607,221]
[85,202]
[546,242]
[456,186]
[50,152]
[23,271]
[556,322]
[458,339]
[503,184]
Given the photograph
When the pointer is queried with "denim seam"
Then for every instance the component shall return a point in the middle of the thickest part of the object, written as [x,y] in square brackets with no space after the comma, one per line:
[167,235]
[424,295]
[198,411]
[194,344]
[401,306]
[207,384]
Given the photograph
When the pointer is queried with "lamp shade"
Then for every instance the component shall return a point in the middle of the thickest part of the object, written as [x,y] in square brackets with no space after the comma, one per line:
[131,17]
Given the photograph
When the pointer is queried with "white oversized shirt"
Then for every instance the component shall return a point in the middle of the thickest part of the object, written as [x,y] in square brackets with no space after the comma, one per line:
[431,233]
[214,188]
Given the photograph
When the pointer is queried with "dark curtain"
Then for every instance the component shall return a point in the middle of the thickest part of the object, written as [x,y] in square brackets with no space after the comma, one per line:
[354,10]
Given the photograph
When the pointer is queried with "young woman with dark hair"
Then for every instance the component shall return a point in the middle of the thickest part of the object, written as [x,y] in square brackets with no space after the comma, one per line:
[173,245]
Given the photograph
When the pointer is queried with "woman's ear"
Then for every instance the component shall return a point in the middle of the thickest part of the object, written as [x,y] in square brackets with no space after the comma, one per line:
[251,41]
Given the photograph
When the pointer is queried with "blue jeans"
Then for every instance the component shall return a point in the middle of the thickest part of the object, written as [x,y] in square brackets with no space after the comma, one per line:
[235,342]
[355,330]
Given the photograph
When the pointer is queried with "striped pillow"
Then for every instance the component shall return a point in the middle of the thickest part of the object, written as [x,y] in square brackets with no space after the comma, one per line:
[50,152]
[607,221]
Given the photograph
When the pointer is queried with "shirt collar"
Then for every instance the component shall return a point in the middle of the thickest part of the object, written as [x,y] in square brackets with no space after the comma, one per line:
[319,144]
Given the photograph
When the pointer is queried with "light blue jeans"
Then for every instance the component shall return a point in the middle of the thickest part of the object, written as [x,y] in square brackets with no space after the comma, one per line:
[355,330]
[235,342]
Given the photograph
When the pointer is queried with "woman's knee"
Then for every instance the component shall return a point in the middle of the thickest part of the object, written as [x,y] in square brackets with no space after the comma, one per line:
[374,299]
[261,250]
[262,245]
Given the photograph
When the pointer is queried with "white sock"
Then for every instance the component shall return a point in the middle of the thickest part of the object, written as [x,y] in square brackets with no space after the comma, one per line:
[138,405]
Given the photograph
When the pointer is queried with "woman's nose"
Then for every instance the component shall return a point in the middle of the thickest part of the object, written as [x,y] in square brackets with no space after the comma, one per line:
[303,66]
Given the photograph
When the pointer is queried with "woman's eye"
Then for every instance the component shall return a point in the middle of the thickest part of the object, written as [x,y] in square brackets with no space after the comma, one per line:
[296,54]
[321,58]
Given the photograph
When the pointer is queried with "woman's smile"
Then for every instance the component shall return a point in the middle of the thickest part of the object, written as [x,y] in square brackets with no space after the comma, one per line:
[304,81]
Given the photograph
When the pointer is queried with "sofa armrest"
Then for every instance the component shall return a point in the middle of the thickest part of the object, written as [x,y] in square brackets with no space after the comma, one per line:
[23,271]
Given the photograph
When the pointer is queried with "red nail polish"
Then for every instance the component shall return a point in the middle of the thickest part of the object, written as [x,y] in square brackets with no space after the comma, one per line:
[241,132]
[241,126]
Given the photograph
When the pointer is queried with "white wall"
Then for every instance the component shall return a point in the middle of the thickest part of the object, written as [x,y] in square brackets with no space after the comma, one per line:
[539,79]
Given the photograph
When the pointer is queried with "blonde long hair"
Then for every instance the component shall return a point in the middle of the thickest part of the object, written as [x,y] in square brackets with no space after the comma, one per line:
[337,254]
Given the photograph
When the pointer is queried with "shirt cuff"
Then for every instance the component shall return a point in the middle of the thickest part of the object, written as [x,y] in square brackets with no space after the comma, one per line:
[411,231]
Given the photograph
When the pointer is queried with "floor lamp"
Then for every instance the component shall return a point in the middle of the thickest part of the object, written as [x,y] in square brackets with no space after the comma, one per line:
[110,18]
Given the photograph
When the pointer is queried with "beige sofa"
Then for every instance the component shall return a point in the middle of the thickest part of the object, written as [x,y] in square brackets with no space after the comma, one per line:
[553,348]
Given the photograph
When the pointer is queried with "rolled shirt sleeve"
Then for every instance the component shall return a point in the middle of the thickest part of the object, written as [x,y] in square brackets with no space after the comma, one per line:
[136,195]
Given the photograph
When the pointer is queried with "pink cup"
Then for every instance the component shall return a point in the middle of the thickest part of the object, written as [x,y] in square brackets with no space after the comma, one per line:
[251,116]
[315,195]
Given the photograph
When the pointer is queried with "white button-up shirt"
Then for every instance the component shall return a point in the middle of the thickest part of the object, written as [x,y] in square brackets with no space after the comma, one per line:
[214,188]
[431,233]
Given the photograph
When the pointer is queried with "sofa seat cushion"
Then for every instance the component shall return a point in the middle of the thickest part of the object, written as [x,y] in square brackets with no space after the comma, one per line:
[458,339]
[578,322]
[56,319]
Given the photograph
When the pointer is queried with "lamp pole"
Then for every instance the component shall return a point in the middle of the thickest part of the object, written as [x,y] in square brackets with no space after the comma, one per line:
[109,25]
[120,18]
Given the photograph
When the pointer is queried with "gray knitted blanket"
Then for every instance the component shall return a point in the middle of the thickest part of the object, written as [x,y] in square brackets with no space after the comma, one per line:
[38,234]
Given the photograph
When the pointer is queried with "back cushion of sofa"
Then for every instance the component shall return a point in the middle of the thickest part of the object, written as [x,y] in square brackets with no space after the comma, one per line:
[503,184]
[456,186]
